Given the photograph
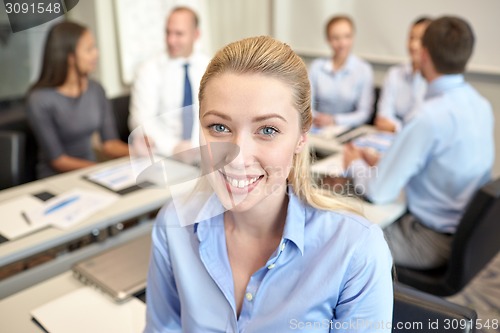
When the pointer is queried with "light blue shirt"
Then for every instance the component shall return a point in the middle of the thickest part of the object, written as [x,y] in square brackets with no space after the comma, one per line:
[331,271]
[402,93]
[441,158]
[346,93]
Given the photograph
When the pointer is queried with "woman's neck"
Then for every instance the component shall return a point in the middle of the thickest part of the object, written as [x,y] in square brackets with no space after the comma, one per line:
[267,220]
[74,85]
[338,62]
[415,67]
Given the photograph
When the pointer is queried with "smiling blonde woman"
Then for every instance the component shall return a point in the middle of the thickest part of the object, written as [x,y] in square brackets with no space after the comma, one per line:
[283,255]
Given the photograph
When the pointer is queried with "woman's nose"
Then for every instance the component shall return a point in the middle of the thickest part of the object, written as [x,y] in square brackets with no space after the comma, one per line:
[245,151]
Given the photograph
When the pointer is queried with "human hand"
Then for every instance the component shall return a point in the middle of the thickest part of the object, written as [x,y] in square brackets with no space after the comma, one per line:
[370,156]
[351,153]
[384,124]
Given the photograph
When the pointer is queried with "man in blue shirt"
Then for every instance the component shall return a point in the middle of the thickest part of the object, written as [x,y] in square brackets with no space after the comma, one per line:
[441,158]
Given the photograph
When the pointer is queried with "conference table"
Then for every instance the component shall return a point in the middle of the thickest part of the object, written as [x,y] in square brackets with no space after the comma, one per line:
[15,309]
[135,208]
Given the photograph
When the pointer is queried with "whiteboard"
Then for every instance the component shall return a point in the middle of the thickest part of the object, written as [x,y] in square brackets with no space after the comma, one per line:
[140,27]
[382,26]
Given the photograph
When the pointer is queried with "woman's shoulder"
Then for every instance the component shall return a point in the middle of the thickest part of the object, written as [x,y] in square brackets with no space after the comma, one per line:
[318,63]
[341,217]
[185,211]
[40,94]
[351,227]
[95,87]
[41,99]
[360,63]
[168,215]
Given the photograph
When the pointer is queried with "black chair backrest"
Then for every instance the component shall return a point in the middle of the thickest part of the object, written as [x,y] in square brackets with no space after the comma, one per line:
[120,107]
[416,311]
[376,96]
[476,240]
[12,150]
[14,119]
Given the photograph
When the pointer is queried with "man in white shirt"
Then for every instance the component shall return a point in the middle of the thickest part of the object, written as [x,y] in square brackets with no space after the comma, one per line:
[165,90]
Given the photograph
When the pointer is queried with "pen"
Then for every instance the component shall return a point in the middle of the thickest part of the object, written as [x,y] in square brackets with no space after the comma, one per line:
[26,218]
[61,205]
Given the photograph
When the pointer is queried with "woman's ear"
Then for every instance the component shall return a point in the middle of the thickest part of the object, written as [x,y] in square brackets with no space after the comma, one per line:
[301,143]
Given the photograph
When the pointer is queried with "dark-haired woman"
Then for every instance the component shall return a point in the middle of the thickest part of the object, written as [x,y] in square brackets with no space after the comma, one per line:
[65,108]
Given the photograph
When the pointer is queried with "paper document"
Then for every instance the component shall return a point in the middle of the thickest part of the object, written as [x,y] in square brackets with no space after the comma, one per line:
[14,222]
[377,141]
[70,208]
[121,176]
[328,132]
[331,166]
[89,310]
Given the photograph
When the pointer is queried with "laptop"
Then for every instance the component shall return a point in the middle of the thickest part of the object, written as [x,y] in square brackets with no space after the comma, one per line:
[121,271]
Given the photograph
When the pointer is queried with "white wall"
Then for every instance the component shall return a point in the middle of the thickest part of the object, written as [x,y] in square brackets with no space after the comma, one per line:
[236,19]
[381,26]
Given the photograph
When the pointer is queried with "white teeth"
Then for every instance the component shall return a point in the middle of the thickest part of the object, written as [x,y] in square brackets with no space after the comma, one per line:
[241,183]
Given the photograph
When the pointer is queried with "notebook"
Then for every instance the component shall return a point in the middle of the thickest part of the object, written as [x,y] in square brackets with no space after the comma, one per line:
[86,310]
[121,272]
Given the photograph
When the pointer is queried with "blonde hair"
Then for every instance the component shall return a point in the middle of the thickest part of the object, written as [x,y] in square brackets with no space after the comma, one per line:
[266,56]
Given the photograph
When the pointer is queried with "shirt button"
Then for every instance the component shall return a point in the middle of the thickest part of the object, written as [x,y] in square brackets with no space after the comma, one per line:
[271,266]
[249,297]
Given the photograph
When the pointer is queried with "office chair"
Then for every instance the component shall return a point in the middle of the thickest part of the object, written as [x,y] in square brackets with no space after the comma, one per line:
[376,96]
[13,118]
[12,145]
[120,107]
[416,311]
[474,244]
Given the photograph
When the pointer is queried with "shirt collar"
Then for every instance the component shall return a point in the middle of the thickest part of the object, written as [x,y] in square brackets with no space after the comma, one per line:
[328,65]
[295,220]
[294,223]
[210,215]
[408,70]
[182,60]
[444,83]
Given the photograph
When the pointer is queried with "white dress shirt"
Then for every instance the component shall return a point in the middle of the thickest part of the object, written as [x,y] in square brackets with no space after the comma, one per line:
[157,96]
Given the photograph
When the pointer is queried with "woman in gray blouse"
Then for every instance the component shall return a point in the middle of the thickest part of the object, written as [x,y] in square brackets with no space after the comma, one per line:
[65,107]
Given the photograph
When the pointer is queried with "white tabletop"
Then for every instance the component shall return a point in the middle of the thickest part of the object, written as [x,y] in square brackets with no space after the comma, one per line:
[15,310]
[128,206]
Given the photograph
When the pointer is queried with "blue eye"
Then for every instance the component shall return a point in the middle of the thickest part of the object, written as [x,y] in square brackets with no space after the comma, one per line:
[219,128]
[268,131]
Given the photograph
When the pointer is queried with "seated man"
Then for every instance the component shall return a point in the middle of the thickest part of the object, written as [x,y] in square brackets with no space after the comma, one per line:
[441,158]
[404,87]
[165,89]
